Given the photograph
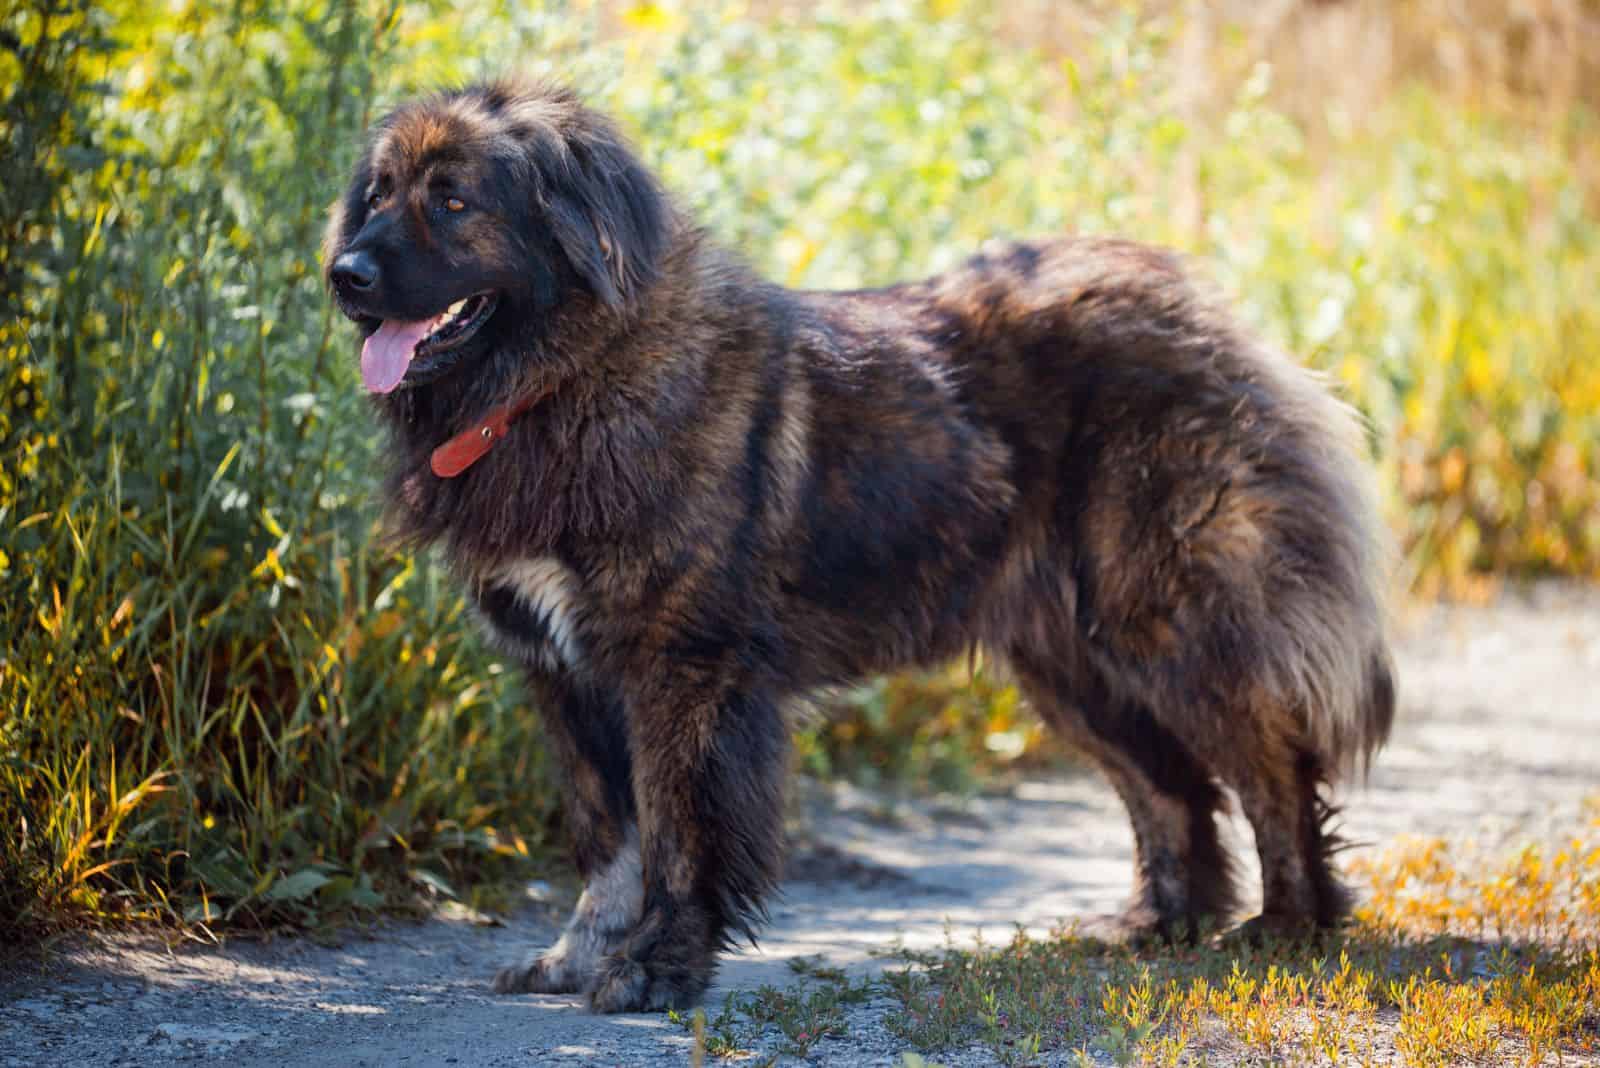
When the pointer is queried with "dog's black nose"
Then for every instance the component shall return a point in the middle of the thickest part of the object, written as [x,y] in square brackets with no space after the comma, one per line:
[355,270]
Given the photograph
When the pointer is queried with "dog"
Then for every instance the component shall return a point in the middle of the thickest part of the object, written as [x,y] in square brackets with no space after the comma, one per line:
[681,498]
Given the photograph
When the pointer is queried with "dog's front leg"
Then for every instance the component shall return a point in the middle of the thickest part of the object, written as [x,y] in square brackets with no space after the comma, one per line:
[585,732]
[708,767]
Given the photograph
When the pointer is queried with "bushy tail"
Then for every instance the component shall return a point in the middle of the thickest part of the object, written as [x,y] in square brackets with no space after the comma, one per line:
[1343,676]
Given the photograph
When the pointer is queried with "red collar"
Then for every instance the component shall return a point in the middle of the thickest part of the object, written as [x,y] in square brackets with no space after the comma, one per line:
[474,443]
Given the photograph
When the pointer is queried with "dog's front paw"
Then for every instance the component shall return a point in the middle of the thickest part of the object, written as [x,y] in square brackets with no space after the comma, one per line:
[624,985]
[549,973]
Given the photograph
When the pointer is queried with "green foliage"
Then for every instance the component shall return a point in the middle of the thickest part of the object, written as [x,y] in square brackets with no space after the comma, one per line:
[799,1016]
[224,700]
[941,730]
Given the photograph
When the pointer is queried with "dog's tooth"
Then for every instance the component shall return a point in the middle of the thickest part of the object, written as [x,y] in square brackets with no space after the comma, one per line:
[455,309]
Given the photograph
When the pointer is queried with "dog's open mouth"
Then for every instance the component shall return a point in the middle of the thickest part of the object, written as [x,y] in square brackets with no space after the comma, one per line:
[388,353]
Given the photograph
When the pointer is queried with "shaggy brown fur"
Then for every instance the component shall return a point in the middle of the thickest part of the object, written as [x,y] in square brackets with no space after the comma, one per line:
[733,494]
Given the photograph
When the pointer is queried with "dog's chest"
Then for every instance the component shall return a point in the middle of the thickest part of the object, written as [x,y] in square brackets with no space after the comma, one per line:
[533,609]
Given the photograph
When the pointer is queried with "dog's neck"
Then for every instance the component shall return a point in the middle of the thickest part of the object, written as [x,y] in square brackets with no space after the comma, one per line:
[552,480]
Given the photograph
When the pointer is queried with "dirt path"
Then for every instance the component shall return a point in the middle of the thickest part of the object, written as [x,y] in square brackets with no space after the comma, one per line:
[1499,741]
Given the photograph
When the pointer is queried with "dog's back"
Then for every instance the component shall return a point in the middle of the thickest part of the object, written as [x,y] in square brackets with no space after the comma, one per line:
[1067,436]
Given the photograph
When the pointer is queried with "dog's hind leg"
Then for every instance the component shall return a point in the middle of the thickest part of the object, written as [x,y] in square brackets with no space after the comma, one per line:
[1281,792]
[708,776]
[585,731]
[1260,747]
[1184,883]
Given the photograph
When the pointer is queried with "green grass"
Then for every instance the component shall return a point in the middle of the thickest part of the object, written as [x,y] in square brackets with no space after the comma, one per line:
[225,703]
[797,1017]
[1454,958]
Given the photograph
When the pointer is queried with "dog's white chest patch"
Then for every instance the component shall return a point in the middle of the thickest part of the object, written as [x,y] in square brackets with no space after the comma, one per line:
[534,608]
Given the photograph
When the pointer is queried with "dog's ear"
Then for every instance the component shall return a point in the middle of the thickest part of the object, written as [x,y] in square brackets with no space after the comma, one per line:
[609,217]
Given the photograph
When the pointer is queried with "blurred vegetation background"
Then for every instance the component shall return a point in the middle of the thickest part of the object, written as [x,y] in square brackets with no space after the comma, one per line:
[224,703]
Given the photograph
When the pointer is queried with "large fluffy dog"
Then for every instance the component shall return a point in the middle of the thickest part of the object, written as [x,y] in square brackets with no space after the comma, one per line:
[681,496]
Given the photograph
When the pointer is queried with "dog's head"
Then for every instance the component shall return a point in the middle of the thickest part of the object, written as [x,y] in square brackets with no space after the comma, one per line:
[476,216]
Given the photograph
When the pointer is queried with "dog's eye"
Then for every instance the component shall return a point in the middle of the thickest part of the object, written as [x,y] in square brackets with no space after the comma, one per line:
[373,200]
[454,204]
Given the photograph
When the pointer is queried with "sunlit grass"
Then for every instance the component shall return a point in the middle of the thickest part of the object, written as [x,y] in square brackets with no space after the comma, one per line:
[1448,961]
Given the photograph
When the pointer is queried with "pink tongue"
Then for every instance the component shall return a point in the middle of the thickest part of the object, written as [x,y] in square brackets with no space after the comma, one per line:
[387,353]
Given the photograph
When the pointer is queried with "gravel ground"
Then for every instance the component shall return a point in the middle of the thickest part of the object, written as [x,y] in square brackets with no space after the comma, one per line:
[1498,741]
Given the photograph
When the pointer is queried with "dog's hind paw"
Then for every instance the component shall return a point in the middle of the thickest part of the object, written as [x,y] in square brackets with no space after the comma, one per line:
[1141,927]
[1267,930]
[1136,930]
[632,986]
